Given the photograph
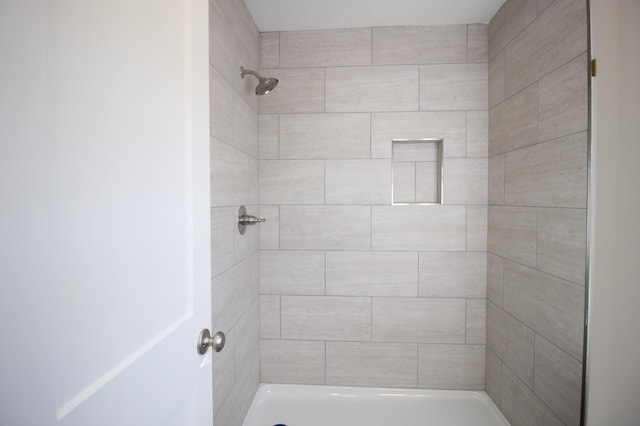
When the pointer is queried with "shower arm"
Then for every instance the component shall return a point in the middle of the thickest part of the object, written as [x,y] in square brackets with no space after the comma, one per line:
[243,72]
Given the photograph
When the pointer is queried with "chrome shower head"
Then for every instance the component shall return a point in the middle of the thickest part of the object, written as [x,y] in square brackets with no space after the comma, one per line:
[265,85]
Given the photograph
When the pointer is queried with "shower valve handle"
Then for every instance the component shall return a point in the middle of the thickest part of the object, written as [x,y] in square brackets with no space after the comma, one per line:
[250,220]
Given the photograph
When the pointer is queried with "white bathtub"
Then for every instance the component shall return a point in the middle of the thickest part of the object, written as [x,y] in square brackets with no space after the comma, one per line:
[298,405]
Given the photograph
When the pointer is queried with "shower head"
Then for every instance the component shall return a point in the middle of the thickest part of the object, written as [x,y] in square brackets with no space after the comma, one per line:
[265,85]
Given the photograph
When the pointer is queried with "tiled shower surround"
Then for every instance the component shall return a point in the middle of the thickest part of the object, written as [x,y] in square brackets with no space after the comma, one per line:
[354,290]
[538,143]
[348,289]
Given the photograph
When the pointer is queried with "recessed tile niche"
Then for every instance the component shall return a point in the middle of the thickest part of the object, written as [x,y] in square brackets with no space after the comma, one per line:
[417,171]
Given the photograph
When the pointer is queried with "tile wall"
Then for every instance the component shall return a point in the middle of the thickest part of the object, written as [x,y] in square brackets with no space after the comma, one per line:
[234,41]
[354,290]
[538,143]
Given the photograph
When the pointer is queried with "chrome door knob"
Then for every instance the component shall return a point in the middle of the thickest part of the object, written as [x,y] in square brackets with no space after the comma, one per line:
[205,340]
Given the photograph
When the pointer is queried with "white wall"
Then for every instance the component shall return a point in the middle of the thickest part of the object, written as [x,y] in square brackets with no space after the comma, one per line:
[613,382]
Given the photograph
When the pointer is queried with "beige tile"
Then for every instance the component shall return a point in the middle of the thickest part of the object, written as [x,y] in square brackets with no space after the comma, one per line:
[291,181]
[417,150]
[358,181]
[550,174]
[493,379]
[326,318]
[558,35]
[222,54]
[325,136]
[497,80]
[234,176]
[372,274]
[564,100]
[543,4]
[419,45]
[521,406]
[268,139]
[372,364]
[453,274]
[477,43]
[476,321]
[427,182]
[423,320]
[562,241]
[495,281]
[512,233]
[269,317]
[239,398]
[249,243]
[270,230]
[247,336]
[496,180]
[291,272]
[465,180]
[325,48]
[220,106]
[477,134]
[453,87]
[508,22]
[325,227]
[551,306]
[291,361]
[300,90]
[477,228]
[371,89]
[245,126]
[224,372]
[451,367]
[404,182]
[270,50]
[223,230]
[514,123]
[558,381]
[448,126]
[404,228]
[512,342]
[233,291]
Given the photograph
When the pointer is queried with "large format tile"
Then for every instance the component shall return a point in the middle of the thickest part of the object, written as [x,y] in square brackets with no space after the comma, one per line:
[551,306]
[358,182]
[493,377]
[370,89]
[495,282]
[300,90]
[453,274]
[291,182]
[477,134]
[268,139]
[372,364]
[269,316]
[453,87]
[223,229]
[269,230]
[291,272]
[521,406]
[292,361]
[220,106]
[245,126]
[451,367]
[497,80]
[418,320]
[325,136]
[476,321]
[508,22]
[419,45]
[514,123]
[558,35]
[550,174]
[477,43]
[326,318]
[562,243]
[558,381]
[496,180]
[465,180]
[325,227]
[325,48]
[419,228]
[512,233]
[477,228]
[234,176]
[233,291]
[249,243]
[362,273]
[512,342]
[270,50]
[404,182]
[446,125]
[564,100]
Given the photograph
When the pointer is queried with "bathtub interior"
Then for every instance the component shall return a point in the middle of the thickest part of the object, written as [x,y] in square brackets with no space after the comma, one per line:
[305,405]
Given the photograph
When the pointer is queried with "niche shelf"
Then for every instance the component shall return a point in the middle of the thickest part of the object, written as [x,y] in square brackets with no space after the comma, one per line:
[416,176]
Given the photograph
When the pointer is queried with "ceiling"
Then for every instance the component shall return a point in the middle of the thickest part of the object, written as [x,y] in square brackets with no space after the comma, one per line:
[290,15]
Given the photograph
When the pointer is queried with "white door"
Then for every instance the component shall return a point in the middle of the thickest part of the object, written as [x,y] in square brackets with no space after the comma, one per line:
[104,212]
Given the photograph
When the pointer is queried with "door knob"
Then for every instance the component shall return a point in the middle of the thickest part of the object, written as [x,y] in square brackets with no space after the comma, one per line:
[205,340]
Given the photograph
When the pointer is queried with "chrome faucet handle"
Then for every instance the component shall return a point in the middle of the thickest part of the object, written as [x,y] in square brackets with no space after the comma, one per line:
[245,219]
